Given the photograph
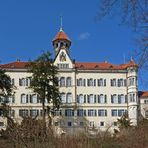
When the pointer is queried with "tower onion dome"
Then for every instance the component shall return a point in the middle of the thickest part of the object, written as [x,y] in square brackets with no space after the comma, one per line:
[61,36]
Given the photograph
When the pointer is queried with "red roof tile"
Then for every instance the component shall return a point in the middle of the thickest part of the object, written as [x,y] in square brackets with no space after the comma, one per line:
[15,65]
[79,65]
[61,36]
[143,94]
[103,65]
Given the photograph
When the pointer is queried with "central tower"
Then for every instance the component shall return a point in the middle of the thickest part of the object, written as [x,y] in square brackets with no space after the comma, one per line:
[61,41]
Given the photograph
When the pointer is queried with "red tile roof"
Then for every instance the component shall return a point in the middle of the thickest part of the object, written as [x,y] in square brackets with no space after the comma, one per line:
[103,65]
[79,65]
[143,94]
[15,65]
[61,36]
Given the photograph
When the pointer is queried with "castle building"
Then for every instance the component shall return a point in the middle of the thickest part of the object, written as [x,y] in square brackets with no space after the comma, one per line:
[93,94]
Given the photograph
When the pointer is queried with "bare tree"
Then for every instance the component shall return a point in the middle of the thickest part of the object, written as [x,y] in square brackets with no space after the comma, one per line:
[135,14]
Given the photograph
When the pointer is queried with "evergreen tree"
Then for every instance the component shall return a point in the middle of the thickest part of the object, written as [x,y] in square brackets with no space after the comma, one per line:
[124,122]
[6,89]
[44,82]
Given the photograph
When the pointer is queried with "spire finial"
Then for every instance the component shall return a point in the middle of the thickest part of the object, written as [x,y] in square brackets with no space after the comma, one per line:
[131,58]
[61,25]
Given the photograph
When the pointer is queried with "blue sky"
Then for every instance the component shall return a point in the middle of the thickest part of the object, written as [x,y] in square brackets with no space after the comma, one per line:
[27,27]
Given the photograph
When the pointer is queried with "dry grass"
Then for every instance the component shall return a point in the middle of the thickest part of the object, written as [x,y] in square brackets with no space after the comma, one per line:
[33,135]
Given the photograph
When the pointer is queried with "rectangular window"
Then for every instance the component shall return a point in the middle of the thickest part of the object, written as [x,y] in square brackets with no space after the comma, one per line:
[91,123]
[146,101]
[57,112]
[81,112]
[92,112]
[100,82]
[113,82]
[102,112]
[102,99]
[69,123]
[114,112]
[114,99]
[34,112]
[23,112]
[119,112]
[101,123]
[69,112]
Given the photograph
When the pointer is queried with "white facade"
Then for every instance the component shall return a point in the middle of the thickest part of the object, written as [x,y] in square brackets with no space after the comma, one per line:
[92,94]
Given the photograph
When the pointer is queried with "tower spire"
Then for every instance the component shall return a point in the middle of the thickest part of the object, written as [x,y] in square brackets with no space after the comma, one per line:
[61,23]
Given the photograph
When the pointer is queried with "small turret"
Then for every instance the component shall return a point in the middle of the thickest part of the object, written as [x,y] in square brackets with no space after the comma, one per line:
[61,41]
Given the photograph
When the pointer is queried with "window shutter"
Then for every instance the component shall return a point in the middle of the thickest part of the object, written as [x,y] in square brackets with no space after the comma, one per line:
[38,100]
[104,82]
[13,99]
[119,99]
[20,84]
[65,112]
[95,113]
[125,98]
[77,82]
[88,99]
[84,82]
[84,98]
[105,112]
[118,82]
[111,82]
[125,82]
[26,81]
[111,98]
[94,98]
[94,82]
[87,82]
[98,99]
[26,98]
[84,112]
[105,97]
[78,101]
[30,97]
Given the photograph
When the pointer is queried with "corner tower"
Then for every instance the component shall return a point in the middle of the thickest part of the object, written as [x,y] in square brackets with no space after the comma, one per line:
[132,90]
[61,41]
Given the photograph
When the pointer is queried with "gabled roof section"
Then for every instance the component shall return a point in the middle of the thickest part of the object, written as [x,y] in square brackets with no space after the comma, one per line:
[143,94]
[61,36]
[15,65]
[130,64]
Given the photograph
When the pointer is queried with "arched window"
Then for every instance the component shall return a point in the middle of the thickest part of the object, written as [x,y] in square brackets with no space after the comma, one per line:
[90,82]
[63,97]
[69,98]
[62,81]
[34,98]
[81,98]
[101,99]
[122,98]
[132,97]
[68,81]
[114,99]
[23,82]
[24,98]
[91,98]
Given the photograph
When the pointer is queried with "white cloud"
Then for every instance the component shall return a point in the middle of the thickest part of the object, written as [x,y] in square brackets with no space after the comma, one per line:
[84,35]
